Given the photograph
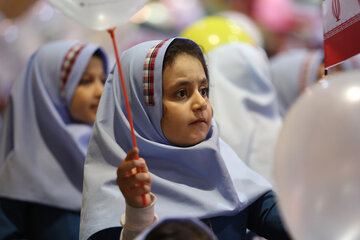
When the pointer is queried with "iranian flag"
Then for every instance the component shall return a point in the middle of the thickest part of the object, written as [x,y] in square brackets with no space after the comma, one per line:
[341,30]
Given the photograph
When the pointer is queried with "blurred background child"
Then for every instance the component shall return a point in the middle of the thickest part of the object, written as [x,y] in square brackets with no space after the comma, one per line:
[245,103]
[292,72]
[46,131]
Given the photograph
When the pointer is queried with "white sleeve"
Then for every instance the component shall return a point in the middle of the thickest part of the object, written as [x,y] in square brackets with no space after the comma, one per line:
[135,220]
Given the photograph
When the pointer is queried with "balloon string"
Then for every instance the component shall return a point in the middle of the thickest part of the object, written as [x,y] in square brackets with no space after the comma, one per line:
[138,170]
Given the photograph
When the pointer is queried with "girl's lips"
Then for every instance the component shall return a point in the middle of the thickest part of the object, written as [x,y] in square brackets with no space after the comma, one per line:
[94,107]
[198,121]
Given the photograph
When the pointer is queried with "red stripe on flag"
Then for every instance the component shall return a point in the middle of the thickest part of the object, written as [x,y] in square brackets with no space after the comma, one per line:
[342,45]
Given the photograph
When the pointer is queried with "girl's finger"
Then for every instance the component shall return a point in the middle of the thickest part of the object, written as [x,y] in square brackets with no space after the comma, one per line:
[134,189]
[143,178]
[144,168]
[140,190]
[132,154]
[136,180]
[127,166]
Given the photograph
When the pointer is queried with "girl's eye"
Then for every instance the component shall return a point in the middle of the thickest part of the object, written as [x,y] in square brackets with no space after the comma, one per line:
[85,81]
[181,93]
[204,91]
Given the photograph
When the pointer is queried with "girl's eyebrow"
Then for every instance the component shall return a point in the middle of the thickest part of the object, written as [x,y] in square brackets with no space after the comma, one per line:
[204,81]
[182,83]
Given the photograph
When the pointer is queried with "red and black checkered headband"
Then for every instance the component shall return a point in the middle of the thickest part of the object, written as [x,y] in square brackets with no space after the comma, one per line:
[148,75]
[67,65]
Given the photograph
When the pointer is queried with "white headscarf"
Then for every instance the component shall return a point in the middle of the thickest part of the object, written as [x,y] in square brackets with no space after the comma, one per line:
[244,103]
[292,72]
[201,181]
[42,151]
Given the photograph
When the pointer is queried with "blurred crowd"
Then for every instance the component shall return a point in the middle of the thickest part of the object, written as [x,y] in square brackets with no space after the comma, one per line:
[260,55]
[27,24]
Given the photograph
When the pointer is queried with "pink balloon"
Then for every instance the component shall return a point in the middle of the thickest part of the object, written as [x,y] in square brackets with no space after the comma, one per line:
[99,14]
[317,161]
[276,15]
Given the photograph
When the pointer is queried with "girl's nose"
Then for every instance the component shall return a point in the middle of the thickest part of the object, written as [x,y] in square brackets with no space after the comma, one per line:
[99,87]
[199,102]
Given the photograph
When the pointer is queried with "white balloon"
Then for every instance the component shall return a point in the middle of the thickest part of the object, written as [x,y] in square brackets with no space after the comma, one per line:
[317,161]
[99,14]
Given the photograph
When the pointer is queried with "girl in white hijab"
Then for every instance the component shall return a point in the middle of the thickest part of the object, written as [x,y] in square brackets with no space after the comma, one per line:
[189,171]
[245,104]
[46,131]
[292,72]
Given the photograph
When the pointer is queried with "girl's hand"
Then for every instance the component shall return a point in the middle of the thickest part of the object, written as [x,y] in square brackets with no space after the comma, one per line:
[131,183]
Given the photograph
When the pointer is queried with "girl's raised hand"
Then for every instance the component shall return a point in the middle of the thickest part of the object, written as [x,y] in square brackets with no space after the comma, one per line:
[132,184]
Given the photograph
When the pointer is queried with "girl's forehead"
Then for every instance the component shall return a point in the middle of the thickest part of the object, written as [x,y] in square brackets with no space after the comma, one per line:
[185,70]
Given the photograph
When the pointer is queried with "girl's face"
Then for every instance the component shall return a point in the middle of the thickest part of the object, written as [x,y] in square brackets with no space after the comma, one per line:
[87,95]
[187,113]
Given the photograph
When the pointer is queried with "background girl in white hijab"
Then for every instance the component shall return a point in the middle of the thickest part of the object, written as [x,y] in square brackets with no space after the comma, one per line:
[190,171]
[46,131]
[292,72]
[245,104]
